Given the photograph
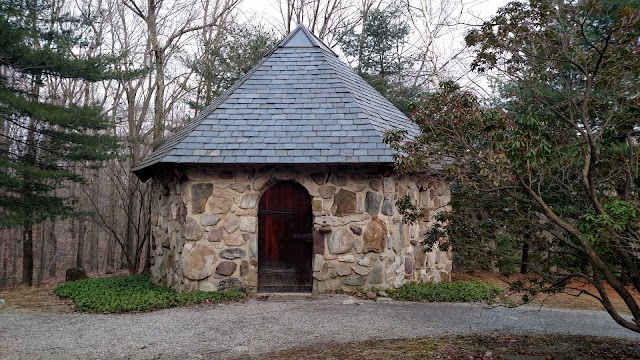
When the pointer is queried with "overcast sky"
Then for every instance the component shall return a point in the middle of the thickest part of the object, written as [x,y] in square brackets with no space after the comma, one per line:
[268,9]
[267,13]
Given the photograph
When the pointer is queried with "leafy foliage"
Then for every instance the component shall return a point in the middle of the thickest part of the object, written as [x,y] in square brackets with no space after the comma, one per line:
[457,291]
[133,293]
[553,165]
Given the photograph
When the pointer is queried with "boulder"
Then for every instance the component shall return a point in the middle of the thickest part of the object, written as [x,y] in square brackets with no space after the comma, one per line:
[233,283]
[234,240]
[244,267]
[192,231]
[343,269]
[209,220]
[239,187]
[200,193]
[226,268]
[221,202]
[376,185]
[232,253]
[360,270]
[376,276]
[354,280]
[387,205]
[248,223]
[317,178]
[198,260]
[249,201]
[231,223]
[326,191]
[374,236]
[339,179]
[216,234]
[408,265]
[260,182]
[372,203]
[341,241]
[74,274]
[356,230]
[345,202]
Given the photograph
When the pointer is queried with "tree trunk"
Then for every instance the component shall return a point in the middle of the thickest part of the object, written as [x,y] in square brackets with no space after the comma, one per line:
[524,264]
[82,233]
[27,190]
[93,227]
[109,256]
[53,248]
[43,238]
[3,260]
[74,238]
[158,58]
[16,254]
[27,252]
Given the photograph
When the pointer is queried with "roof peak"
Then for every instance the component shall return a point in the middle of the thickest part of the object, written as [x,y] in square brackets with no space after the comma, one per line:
[299,105]
[301,37]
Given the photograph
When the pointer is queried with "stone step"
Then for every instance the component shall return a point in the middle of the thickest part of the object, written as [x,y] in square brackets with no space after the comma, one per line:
[280,297]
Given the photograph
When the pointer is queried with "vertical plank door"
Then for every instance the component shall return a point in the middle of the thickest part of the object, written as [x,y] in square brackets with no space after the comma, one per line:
[285,242]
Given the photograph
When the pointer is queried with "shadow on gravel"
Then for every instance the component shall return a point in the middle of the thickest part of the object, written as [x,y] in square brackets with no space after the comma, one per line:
[495,346]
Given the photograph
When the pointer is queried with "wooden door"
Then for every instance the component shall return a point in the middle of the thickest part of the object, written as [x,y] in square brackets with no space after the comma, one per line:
[285,243]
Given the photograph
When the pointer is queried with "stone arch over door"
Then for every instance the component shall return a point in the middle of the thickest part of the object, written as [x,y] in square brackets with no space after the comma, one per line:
[285,242]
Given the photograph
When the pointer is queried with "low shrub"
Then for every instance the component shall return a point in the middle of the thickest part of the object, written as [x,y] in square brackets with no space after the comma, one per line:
[457,291]
[133,293]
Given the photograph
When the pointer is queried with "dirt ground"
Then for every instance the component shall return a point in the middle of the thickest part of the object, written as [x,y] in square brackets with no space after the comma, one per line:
[497,346]
[571,298]
[37,298]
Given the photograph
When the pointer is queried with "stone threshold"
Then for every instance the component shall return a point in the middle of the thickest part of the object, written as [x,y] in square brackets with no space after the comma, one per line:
[283,296]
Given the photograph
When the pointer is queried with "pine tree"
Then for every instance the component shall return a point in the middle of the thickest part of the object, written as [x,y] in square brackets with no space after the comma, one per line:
[44,141]
[377,51]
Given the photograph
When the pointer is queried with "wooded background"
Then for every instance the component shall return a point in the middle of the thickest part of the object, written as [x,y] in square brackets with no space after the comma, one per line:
[169,59]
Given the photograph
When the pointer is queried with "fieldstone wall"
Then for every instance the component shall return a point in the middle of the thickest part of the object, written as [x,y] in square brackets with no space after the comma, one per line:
[205,227]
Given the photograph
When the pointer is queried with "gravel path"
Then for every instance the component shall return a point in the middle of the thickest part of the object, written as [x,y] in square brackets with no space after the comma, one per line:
[250,328]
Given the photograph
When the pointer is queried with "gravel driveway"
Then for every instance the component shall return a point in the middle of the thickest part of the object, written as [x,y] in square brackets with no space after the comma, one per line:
[250,328]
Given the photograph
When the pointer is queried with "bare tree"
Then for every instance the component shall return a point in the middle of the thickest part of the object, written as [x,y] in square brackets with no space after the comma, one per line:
[325,18]
[168,23]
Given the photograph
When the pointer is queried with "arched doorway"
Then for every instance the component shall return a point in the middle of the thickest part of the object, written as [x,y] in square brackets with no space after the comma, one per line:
[285,242]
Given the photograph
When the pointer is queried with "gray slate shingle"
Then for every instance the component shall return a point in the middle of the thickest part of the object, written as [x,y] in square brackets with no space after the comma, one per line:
[300,104]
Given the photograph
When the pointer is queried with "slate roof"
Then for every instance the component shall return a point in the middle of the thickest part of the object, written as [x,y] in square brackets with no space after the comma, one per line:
[299,105]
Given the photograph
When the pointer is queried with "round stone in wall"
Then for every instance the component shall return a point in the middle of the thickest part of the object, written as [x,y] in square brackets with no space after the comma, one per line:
[198,260]
[341,241]
[226,268]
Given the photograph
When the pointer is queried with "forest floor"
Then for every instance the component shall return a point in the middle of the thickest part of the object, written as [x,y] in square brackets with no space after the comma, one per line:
[494,346]
[573,297]
[512,340]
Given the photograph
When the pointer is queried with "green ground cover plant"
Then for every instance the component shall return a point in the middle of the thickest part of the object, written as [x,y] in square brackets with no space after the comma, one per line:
[457,291]
[133,293]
